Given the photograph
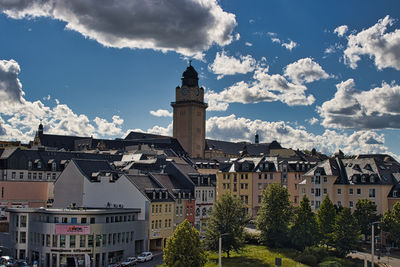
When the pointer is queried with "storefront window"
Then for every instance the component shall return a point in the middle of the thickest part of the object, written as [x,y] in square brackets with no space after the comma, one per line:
[72,241]
[62,241]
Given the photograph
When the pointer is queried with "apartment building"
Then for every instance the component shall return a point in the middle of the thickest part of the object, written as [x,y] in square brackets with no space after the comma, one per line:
[346,180]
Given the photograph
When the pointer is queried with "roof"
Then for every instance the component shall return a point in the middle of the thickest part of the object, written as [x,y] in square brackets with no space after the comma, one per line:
[140,135]
[143,182]
[88,167]
[171,183]
[59,141]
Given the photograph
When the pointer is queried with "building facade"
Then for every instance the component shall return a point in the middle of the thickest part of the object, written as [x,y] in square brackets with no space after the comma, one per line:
[76,237]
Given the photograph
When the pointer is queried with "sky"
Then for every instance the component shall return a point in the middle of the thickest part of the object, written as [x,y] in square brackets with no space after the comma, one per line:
[309,74]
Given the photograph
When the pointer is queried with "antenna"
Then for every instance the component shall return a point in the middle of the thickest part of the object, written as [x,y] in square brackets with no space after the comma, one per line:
[190,62]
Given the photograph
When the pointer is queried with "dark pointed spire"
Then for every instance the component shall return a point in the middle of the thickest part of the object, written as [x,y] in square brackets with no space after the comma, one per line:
[190,77]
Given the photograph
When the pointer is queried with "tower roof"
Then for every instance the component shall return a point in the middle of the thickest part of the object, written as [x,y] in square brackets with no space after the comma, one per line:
[190,76]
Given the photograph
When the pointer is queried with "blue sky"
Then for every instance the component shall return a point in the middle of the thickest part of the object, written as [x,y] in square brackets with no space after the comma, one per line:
[320,74]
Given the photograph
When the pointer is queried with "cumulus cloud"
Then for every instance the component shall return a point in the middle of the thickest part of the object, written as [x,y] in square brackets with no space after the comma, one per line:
[248,44]
[161,113]
[376,108]
[305,70]
[341,30]
[288,45]
[10,86]
[20,117]
[187,27]
[312,121]
[234,128]
[381,46]
[267,87]
[226,65]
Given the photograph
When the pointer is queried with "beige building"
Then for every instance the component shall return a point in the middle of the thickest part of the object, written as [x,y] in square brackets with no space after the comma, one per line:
[189,125]
[373,177]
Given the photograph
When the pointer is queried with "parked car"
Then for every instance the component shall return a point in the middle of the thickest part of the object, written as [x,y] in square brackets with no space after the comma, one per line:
[21,263]
[129,261]
[114,264]
[145,256]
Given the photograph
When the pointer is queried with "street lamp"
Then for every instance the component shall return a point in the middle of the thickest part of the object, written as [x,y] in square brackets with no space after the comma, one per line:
[220,248]
[373,241]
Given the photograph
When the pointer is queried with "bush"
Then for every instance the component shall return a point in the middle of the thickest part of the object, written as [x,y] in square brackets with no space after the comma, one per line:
[251,238]
[310,260]
[336,262]
[319,252]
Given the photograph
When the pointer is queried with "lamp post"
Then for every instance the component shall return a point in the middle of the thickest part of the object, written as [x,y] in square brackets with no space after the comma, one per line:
[220,248]
[373,241]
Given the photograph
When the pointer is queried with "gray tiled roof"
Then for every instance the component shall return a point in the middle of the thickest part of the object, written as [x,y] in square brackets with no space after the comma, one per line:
[89,166]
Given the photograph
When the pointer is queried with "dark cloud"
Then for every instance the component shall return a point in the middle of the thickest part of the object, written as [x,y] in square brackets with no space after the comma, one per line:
[187,27]
[10,86]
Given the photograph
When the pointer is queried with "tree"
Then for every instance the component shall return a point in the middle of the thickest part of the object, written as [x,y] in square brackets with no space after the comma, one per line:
[274,216]
[391,223]
[183,248]
[304,230]
[326,220]
[365,214]
[346,232]
[229,217]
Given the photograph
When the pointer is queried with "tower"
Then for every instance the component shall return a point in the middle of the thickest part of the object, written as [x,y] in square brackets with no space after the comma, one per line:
[189,125]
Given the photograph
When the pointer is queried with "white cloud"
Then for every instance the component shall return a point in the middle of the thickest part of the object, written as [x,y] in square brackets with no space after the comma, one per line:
[288,45]
[187,27]
[160,130]
[226,65]
[312,121]
[381,46]
[376,108]
[242,129]
[248,44]
[267,88]
[161,113]
[341,30]
[237,36]
[305,70]
[19,118]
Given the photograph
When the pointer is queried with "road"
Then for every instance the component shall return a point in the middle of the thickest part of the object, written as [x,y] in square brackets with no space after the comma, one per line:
[157,260]
[389,261]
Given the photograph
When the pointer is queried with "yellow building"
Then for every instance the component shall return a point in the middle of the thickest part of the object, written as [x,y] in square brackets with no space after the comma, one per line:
[373,177]
[161,218]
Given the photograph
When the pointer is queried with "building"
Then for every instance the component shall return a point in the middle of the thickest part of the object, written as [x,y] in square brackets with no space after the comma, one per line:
[66,237]
[346,180]
[189,121]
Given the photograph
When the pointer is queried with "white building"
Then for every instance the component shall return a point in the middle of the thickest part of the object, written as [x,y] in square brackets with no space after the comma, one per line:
[61,237]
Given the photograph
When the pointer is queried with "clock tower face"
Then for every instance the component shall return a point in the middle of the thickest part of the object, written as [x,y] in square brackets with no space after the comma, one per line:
[189,124]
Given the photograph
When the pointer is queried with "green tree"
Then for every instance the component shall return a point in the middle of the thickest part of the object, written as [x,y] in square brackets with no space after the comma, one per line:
[274,216]
[304,230]
[365,214]
[346,232]
[183,248]
[229,217]
[391,223]
[326,220]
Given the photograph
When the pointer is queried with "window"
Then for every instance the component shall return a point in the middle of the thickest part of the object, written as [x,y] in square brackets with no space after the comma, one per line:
[104,241]
[55,241]
[13,174]
[23,221]
[90,241]
[234,188]
[259,176]
[317,204]
[53,166]
[22,237]
[29,165]
[16,220]
[203,212]
[83,220]
[259,186]
[21,175]
[350,191]
[339,203]
[246,176]
[47,240]
[312,179]
[64,220]
[53,176]
[317,192]
[92,220]
[98,237]
[40,175]
[312,202]
[372,192]
[152,225]
[312,191]
[339,191]
[325,191]
[152,209]
[39,164]
[271,176]
[351,204]
[34,175]
[72,241]
[303,190]
[29,175]
[62,241]
[259,199]
[358,191]
[82,241]
[241,186]
[325,179]
[318,180]
[74,220]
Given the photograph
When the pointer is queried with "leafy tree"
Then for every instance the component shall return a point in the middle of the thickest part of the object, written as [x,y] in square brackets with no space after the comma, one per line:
[304,230]
[346,232]
[365,214]
[183,248]
[274,216]
[391,223]
[229,216]
[326,220]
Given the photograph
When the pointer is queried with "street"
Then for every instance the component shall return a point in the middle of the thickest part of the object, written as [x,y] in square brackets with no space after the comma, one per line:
[389,261]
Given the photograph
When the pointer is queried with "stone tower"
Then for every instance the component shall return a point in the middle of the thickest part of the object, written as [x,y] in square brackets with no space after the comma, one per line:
[189,125]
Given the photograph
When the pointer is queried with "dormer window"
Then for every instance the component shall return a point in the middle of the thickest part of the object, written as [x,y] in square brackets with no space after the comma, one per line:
[371,179]
[29,165]
[53,166]
[39,164]
[363,180]
[395,193]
